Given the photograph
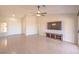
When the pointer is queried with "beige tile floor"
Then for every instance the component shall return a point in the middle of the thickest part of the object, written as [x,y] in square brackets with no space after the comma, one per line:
[21,44]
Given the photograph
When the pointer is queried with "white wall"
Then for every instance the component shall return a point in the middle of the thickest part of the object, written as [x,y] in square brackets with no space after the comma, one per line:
[69,28]
[26,25]
[23,24]
[30,25]
[14,25]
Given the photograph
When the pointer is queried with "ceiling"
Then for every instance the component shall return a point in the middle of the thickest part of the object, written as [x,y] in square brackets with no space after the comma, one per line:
[21,10]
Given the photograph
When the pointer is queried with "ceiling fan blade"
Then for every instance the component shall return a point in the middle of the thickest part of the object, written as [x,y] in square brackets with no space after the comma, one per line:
[44,13]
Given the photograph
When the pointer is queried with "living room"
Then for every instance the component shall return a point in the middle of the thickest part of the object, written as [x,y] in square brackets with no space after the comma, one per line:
[55,24]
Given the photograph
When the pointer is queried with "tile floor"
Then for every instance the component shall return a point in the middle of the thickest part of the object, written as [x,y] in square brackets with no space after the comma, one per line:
[21,44]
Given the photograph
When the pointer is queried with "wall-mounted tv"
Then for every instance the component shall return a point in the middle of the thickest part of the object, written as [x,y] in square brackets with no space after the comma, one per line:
[54,25]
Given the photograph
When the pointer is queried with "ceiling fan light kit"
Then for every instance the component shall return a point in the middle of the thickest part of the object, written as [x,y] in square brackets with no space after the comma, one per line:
[39,13]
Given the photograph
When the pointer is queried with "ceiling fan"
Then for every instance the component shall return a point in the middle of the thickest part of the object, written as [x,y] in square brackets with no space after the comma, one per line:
[39,13]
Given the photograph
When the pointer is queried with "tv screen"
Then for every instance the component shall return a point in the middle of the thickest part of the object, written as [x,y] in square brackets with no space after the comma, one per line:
[54,25]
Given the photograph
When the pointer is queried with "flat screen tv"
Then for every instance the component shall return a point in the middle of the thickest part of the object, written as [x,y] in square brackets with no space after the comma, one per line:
[54,25]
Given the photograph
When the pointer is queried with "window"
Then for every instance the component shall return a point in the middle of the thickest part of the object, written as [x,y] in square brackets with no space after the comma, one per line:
[3,27]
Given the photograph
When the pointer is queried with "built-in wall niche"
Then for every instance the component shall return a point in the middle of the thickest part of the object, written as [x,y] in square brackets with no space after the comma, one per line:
[54,25]
[3,27]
